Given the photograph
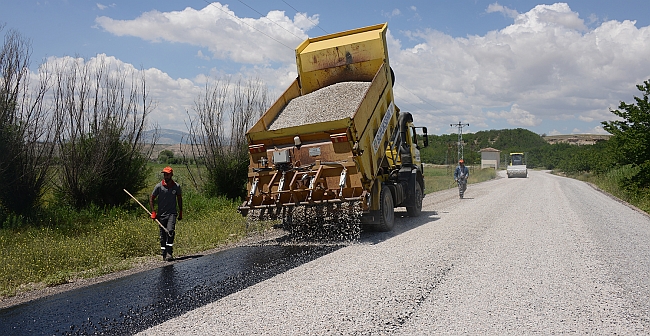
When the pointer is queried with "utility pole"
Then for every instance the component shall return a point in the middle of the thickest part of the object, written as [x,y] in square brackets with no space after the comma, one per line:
[460,139]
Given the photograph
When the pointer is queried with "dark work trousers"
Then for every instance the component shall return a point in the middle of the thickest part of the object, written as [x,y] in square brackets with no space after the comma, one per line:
[167,240]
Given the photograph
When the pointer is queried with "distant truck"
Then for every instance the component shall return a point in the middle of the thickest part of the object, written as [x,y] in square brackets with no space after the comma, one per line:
[517,166]
[335,142]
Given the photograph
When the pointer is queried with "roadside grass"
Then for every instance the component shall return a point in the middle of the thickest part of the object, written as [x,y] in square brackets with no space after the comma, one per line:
[66,244]
[438,178]
[611,182]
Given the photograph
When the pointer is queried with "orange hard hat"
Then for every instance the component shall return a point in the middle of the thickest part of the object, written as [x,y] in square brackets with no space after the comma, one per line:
[461,161]
[168,170]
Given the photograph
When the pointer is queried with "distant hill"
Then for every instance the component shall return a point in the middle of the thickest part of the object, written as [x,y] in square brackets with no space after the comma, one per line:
[167,137]
[443,148]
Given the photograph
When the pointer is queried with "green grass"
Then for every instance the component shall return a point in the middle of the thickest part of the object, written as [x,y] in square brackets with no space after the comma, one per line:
[438,178]
[81,244]
[71,244]
[35,257]
[611,183]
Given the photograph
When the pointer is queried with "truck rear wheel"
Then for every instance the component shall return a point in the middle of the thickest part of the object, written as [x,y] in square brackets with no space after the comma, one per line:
[416,210]
[386,207]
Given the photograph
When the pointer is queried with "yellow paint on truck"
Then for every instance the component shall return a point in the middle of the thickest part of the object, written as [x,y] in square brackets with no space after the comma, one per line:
[346,159]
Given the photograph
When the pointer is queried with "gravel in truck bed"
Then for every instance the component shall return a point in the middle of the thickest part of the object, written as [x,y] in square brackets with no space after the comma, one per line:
[330,103]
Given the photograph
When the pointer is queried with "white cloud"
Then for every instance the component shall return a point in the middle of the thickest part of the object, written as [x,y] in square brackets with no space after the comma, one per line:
[547,65]
[516,117]
[171,97]
[593,18]
[495,7]
[395,12]
[243,40]
[597,130]
[547,18]
[103,7]
[202,56]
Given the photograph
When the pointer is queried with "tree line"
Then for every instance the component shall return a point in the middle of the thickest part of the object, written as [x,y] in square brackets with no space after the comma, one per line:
[627,149]
[75,130]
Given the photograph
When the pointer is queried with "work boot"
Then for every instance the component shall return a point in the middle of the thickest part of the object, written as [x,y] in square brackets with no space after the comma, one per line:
[168,257]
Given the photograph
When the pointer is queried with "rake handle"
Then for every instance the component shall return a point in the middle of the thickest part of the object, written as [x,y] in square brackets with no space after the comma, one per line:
[147,210]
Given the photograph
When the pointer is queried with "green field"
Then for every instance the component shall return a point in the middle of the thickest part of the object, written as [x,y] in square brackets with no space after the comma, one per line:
[438,178]
[90,243]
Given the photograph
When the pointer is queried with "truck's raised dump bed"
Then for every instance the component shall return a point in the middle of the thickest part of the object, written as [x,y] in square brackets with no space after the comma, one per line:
[326,138]
[338,102]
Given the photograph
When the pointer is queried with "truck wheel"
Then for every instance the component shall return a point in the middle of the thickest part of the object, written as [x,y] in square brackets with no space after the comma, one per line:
[386,207]
[416,210]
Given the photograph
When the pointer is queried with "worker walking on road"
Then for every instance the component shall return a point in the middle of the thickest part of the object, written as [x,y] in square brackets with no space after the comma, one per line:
[460,176]
[169,193]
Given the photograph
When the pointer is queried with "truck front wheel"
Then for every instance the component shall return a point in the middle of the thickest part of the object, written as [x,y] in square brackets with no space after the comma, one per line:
[386,207]
[416,210]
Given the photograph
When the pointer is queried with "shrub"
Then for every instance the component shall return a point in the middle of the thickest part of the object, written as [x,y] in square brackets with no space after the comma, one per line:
[101,150]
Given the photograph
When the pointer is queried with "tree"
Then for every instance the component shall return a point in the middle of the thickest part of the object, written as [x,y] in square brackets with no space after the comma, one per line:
[165,156]
[631,135]
[102,147]
[223,151]
[26,130]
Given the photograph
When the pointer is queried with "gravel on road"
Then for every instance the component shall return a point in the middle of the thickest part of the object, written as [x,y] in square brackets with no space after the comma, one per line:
[545,254]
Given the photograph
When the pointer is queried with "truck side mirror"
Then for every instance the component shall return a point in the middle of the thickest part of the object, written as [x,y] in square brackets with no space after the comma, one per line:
[426,136]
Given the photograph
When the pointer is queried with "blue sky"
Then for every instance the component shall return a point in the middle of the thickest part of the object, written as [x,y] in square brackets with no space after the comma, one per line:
[553,68]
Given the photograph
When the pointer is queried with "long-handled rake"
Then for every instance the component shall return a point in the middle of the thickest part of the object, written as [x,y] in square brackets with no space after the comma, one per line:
[147,210]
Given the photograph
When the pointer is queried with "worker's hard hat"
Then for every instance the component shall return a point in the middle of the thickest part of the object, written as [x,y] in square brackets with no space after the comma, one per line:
[168,170]
[461,161]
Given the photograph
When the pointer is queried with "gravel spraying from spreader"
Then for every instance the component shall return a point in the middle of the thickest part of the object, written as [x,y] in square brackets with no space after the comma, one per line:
[330,103]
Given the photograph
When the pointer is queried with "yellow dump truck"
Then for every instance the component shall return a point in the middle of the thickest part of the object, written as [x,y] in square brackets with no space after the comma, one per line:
[334,148]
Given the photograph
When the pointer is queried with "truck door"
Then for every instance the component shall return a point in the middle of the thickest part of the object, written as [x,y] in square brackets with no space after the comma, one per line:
[415,149]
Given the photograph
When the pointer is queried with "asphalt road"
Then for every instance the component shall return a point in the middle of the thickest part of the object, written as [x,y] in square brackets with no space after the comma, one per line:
[544,255]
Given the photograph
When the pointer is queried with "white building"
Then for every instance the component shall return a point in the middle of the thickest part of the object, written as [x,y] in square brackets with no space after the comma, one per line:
[490,158]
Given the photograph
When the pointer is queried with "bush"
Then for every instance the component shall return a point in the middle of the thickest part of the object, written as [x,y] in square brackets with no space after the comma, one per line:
[224,155]
[101,148]
[637,179]
[228,177]
[165,156]
[103,169]
[26,132]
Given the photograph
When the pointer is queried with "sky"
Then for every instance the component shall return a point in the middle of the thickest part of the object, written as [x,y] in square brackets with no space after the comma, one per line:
[552,68]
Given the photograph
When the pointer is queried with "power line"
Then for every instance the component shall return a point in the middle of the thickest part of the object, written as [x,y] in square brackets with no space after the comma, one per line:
[422,99]
[306,17]
[240,20]
[277,24]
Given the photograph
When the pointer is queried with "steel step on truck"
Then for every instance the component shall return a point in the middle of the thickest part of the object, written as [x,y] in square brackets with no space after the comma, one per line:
[334,150]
